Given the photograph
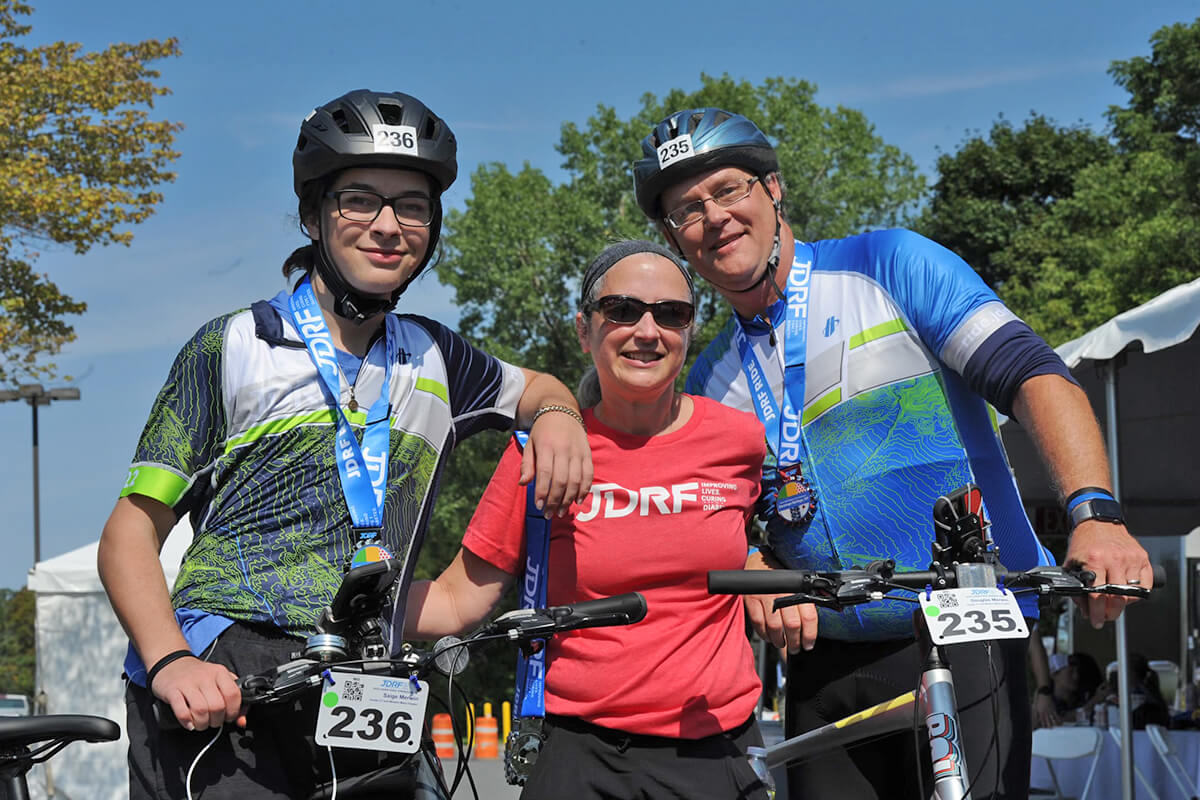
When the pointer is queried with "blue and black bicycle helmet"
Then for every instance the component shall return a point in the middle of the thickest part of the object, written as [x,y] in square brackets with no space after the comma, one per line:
[373,129]
[718,138]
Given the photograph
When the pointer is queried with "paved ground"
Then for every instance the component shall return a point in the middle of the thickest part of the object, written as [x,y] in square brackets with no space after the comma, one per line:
[489,780]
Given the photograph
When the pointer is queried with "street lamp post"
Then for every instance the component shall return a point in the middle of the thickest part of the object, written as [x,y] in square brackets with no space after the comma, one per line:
[35,395]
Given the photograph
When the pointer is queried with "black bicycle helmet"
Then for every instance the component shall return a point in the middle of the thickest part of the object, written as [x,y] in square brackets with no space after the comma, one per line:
[718,138]
[373,129]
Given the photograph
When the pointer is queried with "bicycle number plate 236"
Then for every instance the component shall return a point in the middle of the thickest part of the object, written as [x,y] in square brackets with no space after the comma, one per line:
[972,614]
[372,712]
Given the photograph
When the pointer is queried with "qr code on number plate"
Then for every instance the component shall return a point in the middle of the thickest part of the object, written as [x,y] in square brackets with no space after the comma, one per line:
[352,690]
[947,599]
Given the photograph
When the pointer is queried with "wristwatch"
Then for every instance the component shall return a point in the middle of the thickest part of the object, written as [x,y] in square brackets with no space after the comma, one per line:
[1045,690]
[1104,509]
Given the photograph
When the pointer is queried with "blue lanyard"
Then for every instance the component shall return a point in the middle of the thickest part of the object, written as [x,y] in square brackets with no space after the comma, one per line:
[783,426]
[363,469]
[529,696]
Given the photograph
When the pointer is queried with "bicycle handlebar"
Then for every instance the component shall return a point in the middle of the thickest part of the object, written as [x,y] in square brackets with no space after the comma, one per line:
[530,623]
[848,587]
[519,626]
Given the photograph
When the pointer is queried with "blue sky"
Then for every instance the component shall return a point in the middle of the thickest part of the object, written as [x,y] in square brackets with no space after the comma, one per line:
[505,76]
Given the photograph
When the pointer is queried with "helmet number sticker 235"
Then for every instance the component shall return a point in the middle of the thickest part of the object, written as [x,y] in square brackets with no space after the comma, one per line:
[678,148]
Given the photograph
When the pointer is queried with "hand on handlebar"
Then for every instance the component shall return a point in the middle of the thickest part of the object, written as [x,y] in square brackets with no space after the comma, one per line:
[1114,556]
[794,627]
[201,695]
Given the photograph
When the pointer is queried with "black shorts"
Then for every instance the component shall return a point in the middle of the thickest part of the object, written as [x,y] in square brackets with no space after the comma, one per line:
[836,679]
[582,761]
[275,757]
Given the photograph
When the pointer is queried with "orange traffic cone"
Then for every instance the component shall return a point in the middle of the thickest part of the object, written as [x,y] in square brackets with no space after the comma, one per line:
[443,735]
[487,738]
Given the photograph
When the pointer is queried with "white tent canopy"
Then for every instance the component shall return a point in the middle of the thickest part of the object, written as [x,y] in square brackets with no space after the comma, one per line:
[80,651]
[1167,320]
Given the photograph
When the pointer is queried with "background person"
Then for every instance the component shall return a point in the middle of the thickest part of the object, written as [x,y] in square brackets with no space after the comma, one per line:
[302,434]
[875,401]
[1074,679]
[661,708]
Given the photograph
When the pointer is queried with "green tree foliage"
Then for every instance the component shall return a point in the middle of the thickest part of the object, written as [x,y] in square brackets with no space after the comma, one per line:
[515,254]
[991,188]
[79,160]
[16,642]
[1086,239]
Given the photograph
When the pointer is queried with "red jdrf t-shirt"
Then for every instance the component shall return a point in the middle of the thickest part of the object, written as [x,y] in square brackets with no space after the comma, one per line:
[663,511]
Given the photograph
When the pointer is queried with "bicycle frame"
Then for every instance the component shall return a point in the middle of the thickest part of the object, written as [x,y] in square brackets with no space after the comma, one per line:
[937,702]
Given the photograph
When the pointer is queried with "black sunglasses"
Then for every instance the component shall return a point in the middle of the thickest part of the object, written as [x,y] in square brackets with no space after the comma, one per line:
[622,310]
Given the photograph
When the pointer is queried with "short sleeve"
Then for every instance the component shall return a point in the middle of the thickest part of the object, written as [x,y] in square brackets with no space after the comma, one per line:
[186,428]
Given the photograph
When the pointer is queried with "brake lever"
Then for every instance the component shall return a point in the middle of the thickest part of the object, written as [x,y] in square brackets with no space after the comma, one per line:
[798,599]
[1051,579]
[287,680]
[1119,589]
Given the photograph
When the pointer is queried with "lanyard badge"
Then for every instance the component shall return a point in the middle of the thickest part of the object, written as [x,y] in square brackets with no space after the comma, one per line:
[795,499]
[362,468]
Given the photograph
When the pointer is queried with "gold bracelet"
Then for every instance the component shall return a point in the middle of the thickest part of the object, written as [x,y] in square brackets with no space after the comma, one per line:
[564,409]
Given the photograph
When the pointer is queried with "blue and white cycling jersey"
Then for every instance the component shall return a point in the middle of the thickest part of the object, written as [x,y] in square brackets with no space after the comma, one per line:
[888,422]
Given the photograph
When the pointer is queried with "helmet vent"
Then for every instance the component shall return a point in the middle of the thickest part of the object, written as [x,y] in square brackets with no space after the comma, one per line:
[392,113]
[431,126]
[348,123]
[301,143]
[720,117]
[695,120]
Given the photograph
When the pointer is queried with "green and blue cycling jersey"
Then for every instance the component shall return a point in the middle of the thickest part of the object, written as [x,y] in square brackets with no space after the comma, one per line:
[241,437]
[906,348]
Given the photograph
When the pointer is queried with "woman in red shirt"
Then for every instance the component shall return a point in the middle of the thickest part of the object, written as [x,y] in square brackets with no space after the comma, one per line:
[662,708]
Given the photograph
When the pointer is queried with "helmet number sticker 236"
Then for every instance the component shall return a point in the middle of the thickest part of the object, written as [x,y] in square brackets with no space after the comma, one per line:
[395,139]
[972,614]
[371,712]
[678,148]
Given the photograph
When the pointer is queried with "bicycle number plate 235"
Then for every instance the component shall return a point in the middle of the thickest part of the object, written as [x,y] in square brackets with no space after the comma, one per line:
[372,712]
[972,614]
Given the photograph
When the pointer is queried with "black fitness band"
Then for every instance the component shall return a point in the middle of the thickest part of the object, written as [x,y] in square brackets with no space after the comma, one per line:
[164,661]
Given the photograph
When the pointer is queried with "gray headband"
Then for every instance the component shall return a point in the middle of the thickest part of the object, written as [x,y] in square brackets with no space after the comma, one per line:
[623,249]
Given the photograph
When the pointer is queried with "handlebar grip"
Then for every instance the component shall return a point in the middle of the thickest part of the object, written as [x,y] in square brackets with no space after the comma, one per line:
[621,608]
[757,581]
[1160,576]
[164,716]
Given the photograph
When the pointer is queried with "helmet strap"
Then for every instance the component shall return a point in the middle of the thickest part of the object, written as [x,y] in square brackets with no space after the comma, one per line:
[347,303]
[354,305]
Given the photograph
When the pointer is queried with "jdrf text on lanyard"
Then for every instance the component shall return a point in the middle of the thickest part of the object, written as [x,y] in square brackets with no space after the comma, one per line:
[795,500]
[363,469]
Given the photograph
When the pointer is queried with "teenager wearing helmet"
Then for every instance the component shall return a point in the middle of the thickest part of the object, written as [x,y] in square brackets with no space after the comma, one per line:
[871,361]
[305,434]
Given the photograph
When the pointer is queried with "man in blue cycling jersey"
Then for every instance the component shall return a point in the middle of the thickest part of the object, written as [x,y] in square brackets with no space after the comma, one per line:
[871,361]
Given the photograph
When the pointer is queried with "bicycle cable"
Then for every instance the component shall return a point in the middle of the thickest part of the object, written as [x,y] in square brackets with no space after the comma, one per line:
[188,781]
[332,772]
[994,743]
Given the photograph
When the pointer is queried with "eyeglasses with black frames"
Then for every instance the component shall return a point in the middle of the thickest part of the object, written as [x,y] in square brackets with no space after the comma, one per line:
[621,309]
[363,205]
[733,192]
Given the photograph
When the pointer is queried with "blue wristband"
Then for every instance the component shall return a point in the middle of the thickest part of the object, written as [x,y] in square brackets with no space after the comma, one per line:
[1080,496]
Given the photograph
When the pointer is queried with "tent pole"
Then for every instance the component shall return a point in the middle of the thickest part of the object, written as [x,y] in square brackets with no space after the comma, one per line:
[1110,403]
